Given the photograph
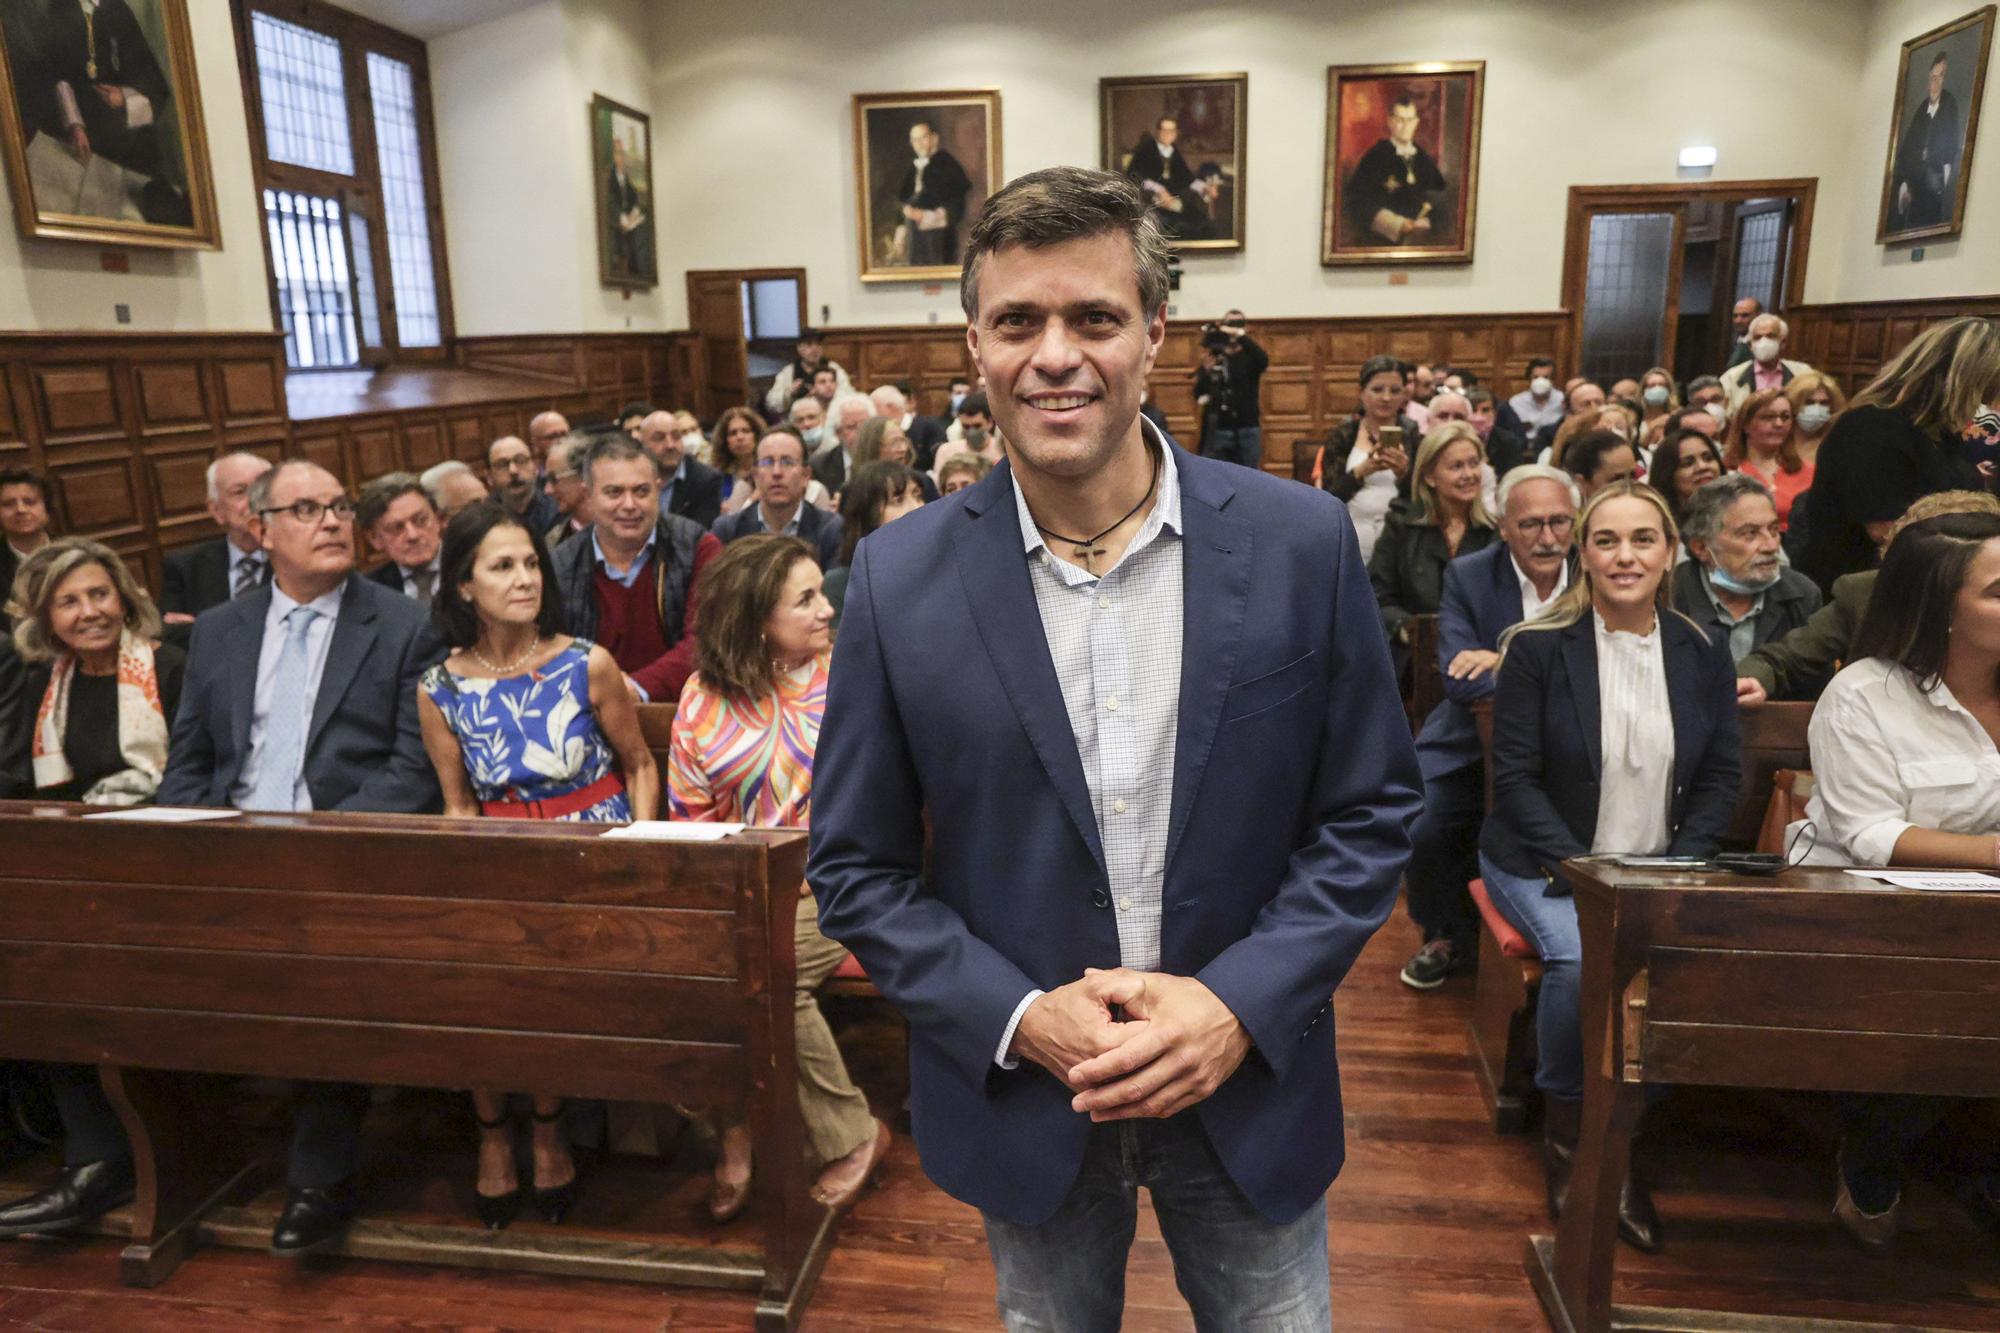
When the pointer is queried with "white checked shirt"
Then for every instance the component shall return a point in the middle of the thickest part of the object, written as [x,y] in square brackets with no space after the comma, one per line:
[1116,644]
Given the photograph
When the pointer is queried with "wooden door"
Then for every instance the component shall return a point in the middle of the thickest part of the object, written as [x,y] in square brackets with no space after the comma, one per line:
[715,314]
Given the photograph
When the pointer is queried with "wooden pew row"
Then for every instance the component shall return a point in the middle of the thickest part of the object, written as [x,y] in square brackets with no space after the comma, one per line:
[400,950]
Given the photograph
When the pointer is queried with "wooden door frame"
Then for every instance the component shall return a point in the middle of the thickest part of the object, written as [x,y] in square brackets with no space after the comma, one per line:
[741,275]
[1587,200]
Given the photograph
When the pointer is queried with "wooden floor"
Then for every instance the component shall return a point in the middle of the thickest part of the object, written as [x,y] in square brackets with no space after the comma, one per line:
[1426,1229]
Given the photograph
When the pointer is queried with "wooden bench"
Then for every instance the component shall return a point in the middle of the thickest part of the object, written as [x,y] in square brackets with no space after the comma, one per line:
[1426,681]
[399,950]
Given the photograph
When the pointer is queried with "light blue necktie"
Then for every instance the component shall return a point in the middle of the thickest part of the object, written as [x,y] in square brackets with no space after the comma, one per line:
[285,723]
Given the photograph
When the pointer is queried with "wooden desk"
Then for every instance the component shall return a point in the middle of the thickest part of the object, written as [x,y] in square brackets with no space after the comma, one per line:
[381,949]
[1811,980]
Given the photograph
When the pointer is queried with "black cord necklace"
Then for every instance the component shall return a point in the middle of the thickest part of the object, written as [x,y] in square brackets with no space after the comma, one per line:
[1087,548]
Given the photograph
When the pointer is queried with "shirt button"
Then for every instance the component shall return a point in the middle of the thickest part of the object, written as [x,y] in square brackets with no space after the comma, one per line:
[1125,903]
[1104,603]
[1118,806]
[1112,703]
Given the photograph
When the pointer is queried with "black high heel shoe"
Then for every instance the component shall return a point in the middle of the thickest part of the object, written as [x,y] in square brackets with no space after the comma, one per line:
[496,1210]
[555,1201]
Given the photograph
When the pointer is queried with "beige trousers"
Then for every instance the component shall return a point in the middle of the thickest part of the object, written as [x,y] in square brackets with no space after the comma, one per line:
[836,1113]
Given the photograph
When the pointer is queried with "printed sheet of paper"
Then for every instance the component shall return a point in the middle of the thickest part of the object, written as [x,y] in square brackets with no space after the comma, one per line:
[663,830]
[164,814]
[1974,880]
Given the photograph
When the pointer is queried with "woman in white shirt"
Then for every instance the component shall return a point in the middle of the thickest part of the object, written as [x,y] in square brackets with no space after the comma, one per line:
[1366,461]
[1906,765]
[1614,730]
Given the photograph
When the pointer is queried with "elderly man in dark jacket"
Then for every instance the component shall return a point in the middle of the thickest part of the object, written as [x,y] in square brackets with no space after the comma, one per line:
[1735,586]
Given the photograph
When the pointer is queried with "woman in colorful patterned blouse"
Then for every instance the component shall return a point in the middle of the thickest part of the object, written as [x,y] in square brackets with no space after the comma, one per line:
[742,751]
[524,722]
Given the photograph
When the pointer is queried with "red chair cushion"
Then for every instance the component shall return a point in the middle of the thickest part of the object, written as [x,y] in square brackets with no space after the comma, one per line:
[1512,943]
[850,969]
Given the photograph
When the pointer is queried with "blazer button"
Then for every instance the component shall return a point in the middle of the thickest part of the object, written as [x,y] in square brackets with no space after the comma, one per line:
[1100,898]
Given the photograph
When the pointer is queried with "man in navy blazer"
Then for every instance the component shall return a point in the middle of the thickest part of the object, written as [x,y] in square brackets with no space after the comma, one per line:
[345,653]
[1169,792]
[1484,594]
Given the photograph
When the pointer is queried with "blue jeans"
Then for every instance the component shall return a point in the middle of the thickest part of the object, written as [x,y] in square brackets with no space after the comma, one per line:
[1243,445]
[1550,925]
[1238,1271]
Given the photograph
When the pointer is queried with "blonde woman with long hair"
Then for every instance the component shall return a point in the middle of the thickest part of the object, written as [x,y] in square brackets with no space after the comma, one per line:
[1444,518]
[1614,731]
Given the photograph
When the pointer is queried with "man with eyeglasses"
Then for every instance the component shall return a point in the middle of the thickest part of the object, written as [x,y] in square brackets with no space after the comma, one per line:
[1484,593]
[514,476]
[563,481]
[302,695]
[402,522]
[629,583]
[781,499]
[198,577]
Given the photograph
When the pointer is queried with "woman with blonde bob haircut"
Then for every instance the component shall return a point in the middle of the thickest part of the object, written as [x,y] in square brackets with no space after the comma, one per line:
[1445,517]
[1901,438]
[1614,731]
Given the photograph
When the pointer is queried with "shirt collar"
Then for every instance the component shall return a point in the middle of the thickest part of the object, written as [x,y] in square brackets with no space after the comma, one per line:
[237,556]
[1528,584]
[326,604]
[1165,515]
[1730,617]
[790,529]
[597,548]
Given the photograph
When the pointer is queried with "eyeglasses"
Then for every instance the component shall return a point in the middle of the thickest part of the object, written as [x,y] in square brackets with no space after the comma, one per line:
[778,464]
[311,511]
[1558,526]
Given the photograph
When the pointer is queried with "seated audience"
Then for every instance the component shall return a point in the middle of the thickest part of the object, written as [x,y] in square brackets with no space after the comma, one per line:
[1816,400]
[195,578]
[1763,444]
[455,487]
[1799,665]
[1657,394]
[1505,449]
[976,432]
[955,474]
[1581,397]
[1687,460]
[516,480]
[1581,422]
[524,722]
[320,715]
[1897,441]
[1541,403]
[881,439]
[879,492]
[794,380]
[1625,387]
[1907,773]
[781,506]
[1444,517]
[1766,368]
[1638,755]
[630,415]
[688,486]
[1484,593]
[835,457]
[1736,584]
[743,743]
[808,417]
[630,586]
[827,389]
[402,522]
[1449,405]
[563,480]
[544,429]
[1366,458]
[924,433]
[732,451]
[1623,415]
[1598,458]
[24,521]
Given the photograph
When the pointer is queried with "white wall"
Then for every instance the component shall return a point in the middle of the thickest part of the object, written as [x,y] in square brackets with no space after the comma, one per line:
[61,285]
[1600,93]
[1969,264]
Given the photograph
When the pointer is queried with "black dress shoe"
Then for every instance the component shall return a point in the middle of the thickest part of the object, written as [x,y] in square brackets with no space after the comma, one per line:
[314,1219]
[79,1194]
[1562,1119]
[1638,1221]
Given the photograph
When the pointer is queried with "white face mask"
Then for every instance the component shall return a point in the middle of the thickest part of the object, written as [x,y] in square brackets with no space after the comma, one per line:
[1813,417]
[1540,386]
[1656,395]
[691,439]
[1716,410]
[1764,349]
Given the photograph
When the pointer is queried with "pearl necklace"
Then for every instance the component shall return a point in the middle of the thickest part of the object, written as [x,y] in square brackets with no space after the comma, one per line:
[512,666]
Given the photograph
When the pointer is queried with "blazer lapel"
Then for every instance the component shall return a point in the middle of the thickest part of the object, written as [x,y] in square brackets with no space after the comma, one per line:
[245,646]
[1579,654]
[1215,594]
[353,636]
[994,571]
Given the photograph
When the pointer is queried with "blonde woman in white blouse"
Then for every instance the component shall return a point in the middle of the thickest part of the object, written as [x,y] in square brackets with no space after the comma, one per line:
[1614,730]
[1906,764]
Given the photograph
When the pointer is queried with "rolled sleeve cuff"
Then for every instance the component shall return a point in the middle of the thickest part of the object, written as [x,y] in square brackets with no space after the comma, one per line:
[1876,844]
[138,109]
[1000,1056]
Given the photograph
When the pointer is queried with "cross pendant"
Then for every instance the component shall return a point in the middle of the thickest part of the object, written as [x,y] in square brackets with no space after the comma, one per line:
[1088,552]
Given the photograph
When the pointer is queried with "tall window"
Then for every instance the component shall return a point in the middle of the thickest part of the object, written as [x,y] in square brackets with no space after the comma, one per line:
[346,160]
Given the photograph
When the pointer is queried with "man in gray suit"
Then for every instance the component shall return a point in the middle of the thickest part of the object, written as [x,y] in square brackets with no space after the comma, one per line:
[303,696]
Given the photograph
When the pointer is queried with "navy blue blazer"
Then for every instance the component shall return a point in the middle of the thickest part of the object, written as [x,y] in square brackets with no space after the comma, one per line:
[1548,749]
[1482,597]
[817,528]
[1295,783]
[364,749]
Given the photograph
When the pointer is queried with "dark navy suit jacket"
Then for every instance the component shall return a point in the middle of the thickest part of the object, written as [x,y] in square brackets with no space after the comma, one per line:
[1482,597]
[1295,783]
[1548,751]
[364,749]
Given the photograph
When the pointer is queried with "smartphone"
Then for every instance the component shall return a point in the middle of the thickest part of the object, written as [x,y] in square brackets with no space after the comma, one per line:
[1749,863]
[1391,437]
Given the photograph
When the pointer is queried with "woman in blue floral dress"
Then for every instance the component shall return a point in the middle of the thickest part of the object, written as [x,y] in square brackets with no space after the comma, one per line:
[524,722]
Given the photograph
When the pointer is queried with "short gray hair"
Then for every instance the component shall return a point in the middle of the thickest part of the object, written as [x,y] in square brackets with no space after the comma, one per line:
[1536,472]
[216,466]
[1701,520]
[882,395]
[434,475]
[1059,204]
[615,449]
[838,408]
[1784,329]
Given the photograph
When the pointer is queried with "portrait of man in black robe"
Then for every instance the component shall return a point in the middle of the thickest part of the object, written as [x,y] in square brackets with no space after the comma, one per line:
[932,195]
[1927,156]
[1393,193]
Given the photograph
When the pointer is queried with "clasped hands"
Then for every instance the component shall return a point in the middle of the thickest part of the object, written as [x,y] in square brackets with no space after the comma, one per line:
[1176,1045]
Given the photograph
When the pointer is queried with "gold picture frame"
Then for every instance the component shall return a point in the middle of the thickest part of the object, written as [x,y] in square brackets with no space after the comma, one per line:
[1920,202]
[122,160]
[1366,220]
[1198,188]
[961,169]
[628,253]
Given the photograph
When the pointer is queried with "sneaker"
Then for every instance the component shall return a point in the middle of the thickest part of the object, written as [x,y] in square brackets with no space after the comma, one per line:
[1428,968]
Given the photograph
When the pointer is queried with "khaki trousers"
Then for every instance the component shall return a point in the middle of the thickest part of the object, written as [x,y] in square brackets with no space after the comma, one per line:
[836,1113]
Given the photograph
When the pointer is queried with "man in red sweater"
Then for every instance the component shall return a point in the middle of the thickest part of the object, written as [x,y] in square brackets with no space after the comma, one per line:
[630,585]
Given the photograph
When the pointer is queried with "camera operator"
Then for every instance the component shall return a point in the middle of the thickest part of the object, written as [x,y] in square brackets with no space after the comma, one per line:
[1225,385]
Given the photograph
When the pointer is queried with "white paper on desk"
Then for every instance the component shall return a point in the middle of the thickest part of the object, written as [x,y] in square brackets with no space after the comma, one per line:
[663,830]
[165,814]
[1975,880]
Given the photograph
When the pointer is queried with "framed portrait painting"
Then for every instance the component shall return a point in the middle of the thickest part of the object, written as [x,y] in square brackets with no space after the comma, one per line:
[1934,120]
[621,149]
[923,166]
[100,124]
[1402,162]
[1181,139]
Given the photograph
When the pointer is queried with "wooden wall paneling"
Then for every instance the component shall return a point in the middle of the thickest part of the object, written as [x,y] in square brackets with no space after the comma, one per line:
[252,390]
[423,443]
[172,398]
[371,450]
[1852,341]
[180,492]
[468,437]
[77,401]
